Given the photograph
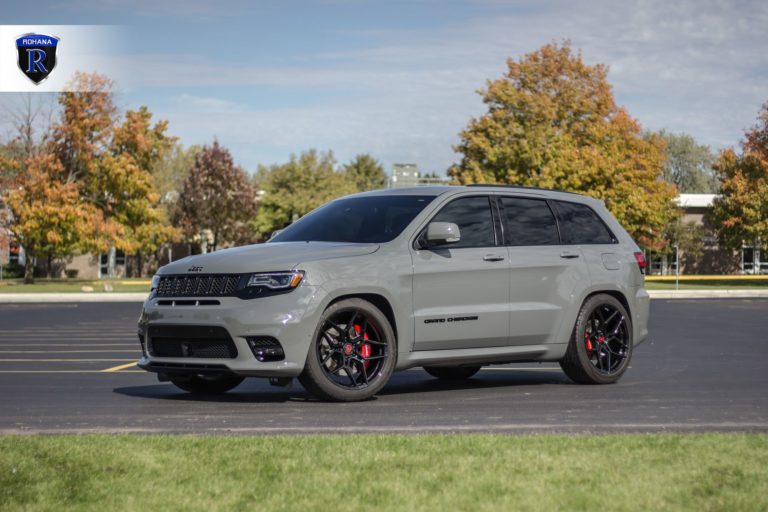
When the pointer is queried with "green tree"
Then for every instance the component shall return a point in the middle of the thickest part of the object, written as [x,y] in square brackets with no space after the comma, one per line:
[297,187]
[741,209]
[552,122]
[136,149]
[366,172]
[217,197]
[170,172]
[688,165]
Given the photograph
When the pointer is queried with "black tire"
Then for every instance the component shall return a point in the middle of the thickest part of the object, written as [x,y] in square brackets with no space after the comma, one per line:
[200,384]
[336,367]
[452,372]
[600,347]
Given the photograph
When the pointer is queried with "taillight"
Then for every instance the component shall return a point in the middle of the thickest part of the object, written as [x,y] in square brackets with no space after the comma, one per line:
[640,258]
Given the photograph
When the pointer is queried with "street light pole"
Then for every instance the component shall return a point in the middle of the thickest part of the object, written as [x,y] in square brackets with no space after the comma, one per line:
[677,267]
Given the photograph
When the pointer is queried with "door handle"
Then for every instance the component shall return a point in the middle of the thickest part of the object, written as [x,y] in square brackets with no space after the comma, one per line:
[493,257]
[569,255]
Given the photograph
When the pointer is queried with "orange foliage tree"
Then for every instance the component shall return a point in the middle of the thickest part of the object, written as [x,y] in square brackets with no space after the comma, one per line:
[552,122]
[741,210]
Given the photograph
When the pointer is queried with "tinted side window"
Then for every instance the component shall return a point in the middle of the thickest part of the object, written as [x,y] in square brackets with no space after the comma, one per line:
[474,218]
[529,222]
[579,224]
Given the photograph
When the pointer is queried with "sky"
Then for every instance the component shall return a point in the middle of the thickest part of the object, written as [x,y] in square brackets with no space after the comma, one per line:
[399,79]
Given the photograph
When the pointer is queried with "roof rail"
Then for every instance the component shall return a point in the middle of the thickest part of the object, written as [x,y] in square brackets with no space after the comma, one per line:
[498,185]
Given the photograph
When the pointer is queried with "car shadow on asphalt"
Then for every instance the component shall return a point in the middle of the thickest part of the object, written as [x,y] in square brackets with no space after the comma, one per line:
[402,383]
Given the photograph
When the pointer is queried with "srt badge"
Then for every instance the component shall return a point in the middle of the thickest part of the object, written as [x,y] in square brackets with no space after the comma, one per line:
[37,55]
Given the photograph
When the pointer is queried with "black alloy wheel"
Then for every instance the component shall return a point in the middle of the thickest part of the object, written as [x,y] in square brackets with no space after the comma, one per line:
[601,345]
[353,352]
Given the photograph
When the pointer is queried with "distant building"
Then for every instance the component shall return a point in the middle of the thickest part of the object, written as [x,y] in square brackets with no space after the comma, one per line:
[404,175]
[713,258]
[408,175]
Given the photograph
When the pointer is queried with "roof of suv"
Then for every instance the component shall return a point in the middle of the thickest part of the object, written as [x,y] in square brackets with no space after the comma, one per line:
[443,189]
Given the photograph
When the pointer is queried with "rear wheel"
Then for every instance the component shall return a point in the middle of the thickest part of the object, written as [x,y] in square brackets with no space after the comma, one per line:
[452,372]
[207,384]
[601,344]
[352,354]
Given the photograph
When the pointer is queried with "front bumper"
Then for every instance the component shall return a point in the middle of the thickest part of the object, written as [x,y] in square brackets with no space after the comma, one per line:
[291,318]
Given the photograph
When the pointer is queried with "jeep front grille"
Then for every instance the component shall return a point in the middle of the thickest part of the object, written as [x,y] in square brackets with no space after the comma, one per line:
[211,285]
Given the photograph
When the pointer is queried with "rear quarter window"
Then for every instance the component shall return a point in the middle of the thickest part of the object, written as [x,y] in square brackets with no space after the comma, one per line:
[529,222]
[579,224]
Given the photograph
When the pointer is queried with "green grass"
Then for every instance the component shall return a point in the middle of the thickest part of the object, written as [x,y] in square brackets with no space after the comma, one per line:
[43,285]
[704,284]
[707,472]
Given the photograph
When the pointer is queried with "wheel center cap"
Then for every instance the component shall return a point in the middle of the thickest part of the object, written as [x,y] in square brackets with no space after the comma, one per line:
[348,349]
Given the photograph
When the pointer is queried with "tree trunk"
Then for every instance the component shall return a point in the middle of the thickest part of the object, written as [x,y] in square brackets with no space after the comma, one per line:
[48,266]
[139,265]
[29,269]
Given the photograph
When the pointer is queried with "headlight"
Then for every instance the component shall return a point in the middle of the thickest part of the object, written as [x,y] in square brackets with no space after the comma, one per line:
[276,280]
[155,283]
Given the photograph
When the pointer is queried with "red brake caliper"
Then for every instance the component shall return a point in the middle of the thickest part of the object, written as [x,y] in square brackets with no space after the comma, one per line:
[590,348]
[365,348]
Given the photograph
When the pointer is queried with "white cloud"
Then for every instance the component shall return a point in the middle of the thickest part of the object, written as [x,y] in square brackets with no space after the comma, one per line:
[694,66]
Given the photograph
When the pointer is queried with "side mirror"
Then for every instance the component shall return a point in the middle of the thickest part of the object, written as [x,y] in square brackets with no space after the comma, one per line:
[442,233]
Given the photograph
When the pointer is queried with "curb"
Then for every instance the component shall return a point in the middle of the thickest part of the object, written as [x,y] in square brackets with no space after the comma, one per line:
[707,294]
[25,298]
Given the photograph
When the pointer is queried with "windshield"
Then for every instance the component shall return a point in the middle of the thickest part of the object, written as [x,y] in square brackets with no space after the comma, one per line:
[371,219]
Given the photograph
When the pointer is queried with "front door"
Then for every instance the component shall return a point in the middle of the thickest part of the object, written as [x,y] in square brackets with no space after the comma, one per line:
[461,290]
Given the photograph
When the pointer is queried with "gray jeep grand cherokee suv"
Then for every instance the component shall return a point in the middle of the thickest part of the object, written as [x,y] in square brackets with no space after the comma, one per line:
[446,278]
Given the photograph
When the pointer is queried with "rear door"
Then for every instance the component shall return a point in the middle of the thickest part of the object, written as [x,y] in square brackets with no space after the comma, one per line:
[544,273]
[461,290]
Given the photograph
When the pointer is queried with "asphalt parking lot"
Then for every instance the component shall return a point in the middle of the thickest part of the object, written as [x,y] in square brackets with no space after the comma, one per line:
[70,368]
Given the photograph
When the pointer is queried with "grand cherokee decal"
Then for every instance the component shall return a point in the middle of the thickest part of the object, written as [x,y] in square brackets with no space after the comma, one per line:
[449,319]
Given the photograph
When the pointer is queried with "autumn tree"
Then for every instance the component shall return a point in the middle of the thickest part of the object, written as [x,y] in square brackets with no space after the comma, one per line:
[552,122]
[48,216]
[688,165]
[111,163]
[741,210]
[216,196]
[366,172]
[297,187]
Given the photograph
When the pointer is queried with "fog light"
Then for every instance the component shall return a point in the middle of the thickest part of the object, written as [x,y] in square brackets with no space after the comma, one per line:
[143,345]
[265,348]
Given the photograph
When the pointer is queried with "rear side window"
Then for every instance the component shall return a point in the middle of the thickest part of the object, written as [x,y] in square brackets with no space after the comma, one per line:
[529,222]
[579,224]
[475,220]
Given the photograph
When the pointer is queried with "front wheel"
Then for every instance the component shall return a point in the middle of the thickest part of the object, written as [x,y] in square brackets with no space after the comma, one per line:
[207,384]
[601,344]
[352,354]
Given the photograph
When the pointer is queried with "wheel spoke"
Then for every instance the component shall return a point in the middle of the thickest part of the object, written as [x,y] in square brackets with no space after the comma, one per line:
[351,378]
[338,328]
[327,357]
[610,317]
[374,358]
[332,342]
[362,371]
[374,342]
[618,326]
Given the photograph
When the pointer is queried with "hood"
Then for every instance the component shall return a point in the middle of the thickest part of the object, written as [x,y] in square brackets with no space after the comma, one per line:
[265,257]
